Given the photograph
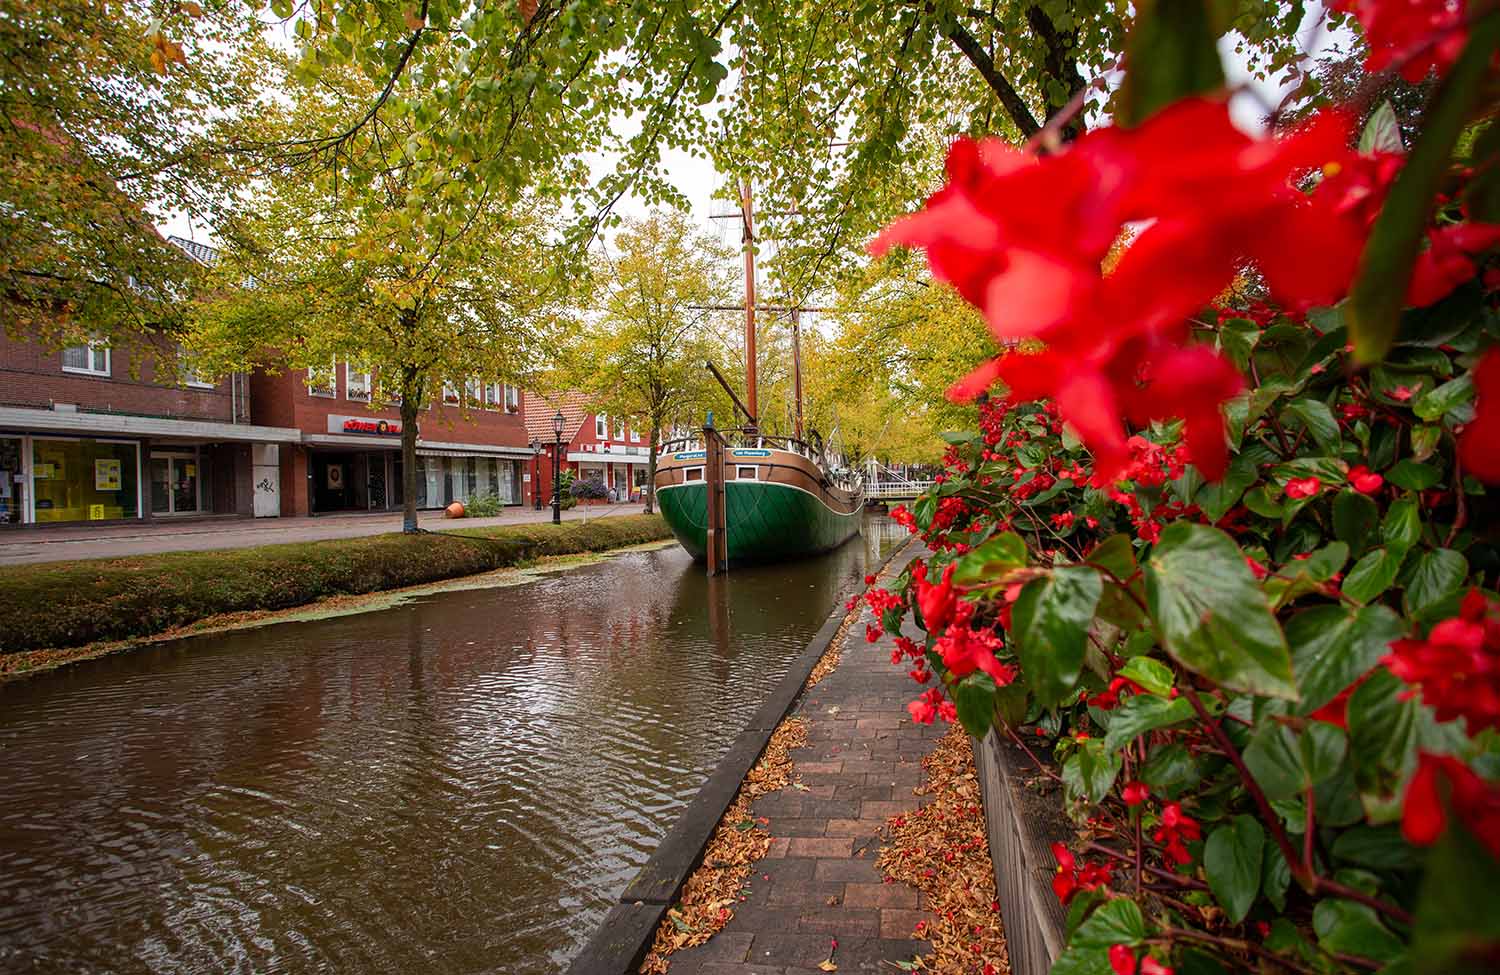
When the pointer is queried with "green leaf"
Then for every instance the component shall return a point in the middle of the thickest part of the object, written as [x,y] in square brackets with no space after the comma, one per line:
[1153,675]
[1212,616]
[1333,646]
[1432,404]
[1116,922]
[1382,132]
[1171,52]
[1286,762]
[1438,574]
[974,698]
[1354,929]
[991,560]
[1231,860]
[1354,519]
[1237,338]
[1372,575]
[1482,194]
[1376,847]
[1424,440]
[1142,713]
[1318,419]
[1216,499]
[1275,876]
[1413,476]
[1050,629]
[1090,772]
[1385,267]
[1458,910]
[1115,555]
[1402,526]
[1171,769]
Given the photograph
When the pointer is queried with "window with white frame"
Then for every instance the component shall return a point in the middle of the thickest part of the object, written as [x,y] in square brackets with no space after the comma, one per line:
[389,396]
[357,382]
[323,380]
[635,433]
[91,359]
[512,399]
[473,392]
[450,394]
[620,430]
[492,396]
[601,426]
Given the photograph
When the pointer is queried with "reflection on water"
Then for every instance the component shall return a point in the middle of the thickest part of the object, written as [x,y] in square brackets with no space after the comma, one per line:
[459,784]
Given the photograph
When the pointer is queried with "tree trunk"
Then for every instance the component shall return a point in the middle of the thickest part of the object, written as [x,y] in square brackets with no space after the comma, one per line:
[651,469]
[409,403]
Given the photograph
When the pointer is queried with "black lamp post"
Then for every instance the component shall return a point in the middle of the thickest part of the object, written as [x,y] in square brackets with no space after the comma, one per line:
[536,473]
[557,428]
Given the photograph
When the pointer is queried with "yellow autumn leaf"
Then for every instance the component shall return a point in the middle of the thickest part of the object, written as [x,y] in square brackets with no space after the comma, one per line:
[414,20]
[828,966]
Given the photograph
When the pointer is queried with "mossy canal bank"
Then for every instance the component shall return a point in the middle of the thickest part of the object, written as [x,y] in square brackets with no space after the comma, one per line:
[62,605]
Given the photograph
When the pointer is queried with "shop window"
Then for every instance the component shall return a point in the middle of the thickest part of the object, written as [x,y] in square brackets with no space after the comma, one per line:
[601,426]
[492,396]
[84,480]
[450,394]
[91,359]
[323,380]
[357,383]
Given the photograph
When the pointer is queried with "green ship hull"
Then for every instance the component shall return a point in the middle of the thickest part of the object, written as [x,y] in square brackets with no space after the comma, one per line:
[767,522]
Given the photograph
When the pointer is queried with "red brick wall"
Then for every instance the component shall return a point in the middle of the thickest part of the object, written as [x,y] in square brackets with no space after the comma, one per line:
[283,400]
[30,376]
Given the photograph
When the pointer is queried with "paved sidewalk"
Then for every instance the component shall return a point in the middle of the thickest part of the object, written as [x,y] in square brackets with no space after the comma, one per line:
[27,545]
[819,880]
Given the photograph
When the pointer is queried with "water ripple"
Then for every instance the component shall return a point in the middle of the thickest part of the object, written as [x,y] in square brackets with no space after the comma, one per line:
[458,784]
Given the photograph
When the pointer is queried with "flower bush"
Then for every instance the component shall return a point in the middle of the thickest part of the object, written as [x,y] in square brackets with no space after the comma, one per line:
[1221,546]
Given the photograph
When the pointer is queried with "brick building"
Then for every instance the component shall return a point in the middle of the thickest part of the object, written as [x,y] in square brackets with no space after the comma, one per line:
[472,441]
[596,446]
[94,434]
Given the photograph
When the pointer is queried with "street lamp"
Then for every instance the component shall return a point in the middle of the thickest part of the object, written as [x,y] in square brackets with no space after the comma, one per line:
[536,473]
[557,428]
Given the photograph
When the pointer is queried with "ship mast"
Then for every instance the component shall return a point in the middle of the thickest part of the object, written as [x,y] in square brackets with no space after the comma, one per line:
[747,212]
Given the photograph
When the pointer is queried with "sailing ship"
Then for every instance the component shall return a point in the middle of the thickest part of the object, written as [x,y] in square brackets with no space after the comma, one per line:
[781,497]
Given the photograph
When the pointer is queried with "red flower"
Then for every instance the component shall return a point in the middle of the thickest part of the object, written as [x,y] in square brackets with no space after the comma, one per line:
[937,602]
[1443,784]
[1458,665]
[1256,569]
[869,580]
[872,633]
[1446,263]
[1122,959]
[1135,793]
[1302,487]
[1150,966]
[1069,879]
[1336,711]
[1429,33]
[1477,444]
[925,708]
[1176,828]
[1402,393]
[966,650]
[1364,480]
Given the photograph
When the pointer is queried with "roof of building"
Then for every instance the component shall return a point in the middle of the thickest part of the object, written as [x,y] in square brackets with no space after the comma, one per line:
[200,252]
[541,407]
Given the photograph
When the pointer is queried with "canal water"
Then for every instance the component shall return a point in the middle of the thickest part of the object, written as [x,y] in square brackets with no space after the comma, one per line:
[456,784]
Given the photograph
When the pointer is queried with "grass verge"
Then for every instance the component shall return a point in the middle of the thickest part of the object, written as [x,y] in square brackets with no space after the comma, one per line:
[66,604]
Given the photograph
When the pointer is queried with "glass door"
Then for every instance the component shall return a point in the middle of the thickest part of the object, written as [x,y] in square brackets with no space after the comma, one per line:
[174,484]
[12,482]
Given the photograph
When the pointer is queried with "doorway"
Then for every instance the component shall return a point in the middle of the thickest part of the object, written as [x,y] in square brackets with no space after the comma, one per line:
[12,482]
[175,480]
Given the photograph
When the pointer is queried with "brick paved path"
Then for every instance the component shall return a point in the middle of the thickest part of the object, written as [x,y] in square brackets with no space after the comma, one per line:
[819,880]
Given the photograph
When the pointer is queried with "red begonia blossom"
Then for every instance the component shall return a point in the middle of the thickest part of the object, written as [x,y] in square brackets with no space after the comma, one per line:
[965,650]
[1069,879]
[937,602]
[1477,445]
[1177,827]
[1122,959]
[1135,793]
[1303,487]
[1447,262]
[1364,480]
[1421,34]
[1458,666]
[1443,784]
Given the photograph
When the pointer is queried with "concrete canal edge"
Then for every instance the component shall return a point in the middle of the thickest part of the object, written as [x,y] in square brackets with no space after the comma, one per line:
[622,939]
[1035,922]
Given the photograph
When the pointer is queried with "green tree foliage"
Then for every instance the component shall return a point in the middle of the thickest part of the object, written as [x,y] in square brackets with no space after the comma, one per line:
[344,263]
[110,119]
[642,355]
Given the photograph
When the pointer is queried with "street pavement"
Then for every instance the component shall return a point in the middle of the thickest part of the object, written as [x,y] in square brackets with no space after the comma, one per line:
[23,546]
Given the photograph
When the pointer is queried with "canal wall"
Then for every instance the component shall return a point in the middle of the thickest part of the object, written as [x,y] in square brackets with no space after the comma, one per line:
[622,939]
[69,604]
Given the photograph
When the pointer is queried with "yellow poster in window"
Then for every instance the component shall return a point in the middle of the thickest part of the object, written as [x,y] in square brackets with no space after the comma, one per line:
[106,475]
[96,512]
